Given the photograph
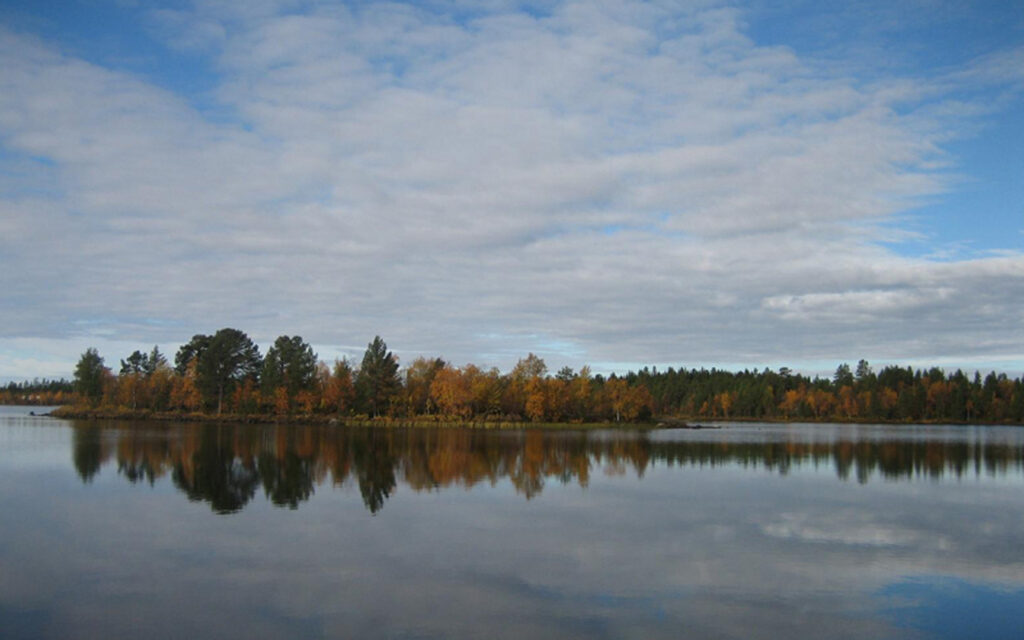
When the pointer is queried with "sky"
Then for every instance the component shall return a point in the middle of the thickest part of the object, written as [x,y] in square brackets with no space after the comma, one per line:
[613,183]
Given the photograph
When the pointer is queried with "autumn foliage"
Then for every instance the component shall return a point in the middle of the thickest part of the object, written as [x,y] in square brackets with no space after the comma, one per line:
[291,381]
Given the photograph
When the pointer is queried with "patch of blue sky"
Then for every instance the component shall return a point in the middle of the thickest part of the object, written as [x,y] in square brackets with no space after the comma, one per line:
[617,229]
[558,348]
[656,224]
[10,157]
[814,368]
[516,346]
[25,175]
[1011,364]
[889,37]
[105,326]
[947,607]
[462,13]
[160,322]
[983,212]
[97,326]
[113,35]
[624,367]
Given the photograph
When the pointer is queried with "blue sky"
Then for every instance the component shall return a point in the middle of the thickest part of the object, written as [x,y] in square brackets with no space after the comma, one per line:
[927,39]
[617,183]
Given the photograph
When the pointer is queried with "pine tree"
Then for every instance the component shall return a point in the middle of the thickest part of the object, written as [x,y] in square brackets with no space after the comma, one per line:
[378,378]
[90,375]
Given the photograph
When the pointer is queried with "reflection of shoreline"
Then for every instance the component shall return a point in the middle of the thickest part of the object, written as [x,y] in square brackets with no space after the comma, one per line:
[225,465]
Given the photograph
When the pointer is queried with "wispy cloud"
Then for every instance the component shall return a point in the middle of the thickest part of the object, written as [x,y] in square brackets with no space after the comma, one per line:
[631,181]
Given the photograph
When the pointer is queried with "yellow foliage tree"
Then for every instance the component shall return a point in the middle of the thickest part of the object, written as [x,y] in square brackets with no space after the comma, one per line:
[450,393]
[339,392]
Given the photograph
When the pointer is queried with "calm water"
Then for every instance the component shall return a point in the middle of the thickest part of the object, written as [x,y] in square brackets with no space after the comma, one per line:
[753,531]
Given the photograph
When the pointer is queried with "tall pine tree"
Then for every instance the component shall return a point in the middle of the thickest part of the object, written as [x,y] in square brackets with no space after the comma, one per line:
[378,379]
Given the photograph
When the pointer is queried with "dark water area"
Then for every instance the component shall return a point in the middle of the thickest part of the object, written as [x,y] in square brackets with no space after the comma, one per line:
[113,529]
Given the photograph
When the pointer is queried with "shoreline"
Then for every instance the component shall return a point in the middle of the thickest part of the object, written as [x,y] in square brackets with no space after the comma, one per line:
[663,422]
[85,413]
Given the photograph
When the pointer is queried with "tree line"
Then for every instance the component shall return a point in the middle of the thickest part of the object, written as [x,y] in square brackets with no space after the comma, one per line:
[892,394]
[38,392]
[225,373]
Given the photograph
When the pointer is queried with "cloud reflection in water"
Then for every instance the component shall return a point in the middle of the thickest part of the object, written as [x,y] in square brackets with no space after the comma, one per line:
[752,531]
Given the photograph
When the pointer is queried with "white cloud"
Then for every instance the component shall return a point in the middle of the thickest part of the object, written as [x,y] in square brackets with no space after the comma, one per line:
[850,531]
[633,182]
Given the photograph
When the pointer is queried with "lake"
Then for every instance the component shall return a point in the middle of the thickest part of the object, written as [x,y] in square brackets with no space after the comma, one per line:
[114,529]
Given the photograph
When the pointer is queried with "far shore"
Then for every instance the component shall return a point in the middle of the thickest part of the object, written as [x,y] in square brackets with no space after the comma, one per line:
[663,422]
[88,413]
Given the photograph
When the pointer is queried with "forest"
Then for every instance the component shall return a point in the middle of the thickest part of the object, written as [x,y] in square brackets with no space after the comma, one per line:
[39,392]
[224,374]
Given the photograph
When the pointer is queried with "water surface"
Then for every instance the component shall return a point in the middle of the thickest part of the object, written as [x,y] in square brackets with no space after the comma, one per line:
[112,529]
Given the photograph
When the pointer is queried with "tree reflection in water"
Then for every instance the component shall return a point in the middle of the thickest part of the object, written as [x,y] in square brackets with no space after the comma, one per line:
[224,465]
[213,472]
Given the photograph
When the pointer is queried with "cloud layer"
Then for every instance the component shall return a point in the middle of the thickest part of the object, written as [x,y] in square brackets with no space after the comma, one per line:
[608,182]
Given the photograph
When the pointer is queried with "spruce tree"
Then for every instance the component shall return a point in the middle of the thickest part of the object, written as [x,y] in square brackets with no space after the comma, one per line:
[378,378]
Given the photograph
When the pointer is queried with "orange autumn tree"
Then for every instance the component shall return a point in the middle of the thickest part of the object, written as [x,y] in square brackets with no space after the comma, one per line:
[419,376]
[627,402]
[450,392]
[185,390]
[338,388]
